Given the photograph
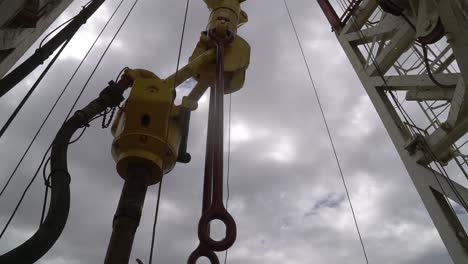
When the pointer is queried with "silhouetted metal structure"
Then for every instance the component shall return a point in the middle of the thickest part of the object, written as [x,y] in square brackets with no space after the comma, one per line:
[22,22]
[417,49]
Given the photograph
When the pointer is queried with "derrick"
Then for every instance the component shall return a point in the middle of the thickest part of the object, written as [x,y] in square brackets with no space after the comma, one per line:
[417,50]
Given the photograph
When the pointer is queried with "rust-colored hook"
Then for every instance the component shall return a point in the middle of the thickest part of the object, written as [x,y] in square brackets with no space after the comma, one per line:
[217,211]
[202,251]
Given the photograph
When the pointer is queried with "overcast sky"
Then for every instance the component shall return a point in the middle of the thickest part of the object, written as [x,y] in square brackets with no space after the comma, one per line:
[286,192]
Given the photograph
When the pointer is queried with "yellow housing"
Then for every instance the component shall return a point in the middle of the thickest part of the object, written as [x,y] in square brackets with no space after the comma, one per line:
[236,62]
[227,10]
[146,130]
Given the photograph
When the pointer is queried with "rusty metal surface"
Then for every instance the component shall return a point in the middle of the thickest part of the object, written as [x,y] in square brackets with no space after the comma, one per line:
[213,206]
[202,250]
[217,210]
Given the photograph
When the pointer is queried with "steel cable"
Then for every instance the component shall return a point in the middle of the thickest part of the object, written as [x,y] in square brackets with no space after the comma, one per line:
[60,26]
[31,90]
[317,97]
[74,104]
[56,102]
[412,124]
[228,188]
[156,214]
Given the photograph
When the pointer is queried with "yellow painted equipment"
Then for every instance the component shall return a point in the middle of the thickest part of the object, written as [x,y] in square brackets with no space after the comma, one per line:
[236,62]
[228,11]
[237,59]
[146,129]
[149,128]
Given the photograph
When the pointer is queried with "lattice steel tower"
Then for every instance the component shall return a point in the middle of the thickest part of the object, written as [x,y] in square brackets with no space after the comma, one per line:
[412,59]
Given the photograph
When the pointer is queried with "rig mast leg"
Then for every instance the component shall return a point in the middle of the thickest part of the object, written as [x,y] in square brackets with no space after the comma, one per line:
[128,214]
[380,44]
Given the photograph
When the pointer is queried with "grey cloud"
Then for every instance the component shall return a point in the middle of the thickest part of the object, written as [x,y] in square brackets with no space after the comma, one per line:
[282,169]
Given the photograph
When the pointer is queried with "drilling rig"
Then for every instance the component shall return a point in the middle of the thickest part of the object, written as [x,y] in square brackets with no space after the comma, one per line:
[417,49]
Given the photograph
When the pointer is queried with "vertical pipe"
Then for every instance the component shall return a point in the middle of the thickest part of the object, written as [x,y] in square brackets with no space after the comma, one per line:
[128,214]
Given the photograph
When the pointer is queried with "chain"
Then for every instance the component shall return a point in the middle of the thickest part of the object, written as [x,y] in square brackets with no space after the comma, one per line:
[106,124]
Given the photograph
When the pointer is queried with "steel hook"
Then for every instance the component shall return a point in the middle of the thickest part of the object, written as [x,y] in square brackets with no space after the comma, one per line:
[217,212]
[202,251]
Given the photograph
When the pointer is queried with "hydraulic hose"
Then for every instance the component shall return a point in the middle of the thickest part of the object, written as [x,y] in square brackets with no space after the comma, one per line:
[49,231]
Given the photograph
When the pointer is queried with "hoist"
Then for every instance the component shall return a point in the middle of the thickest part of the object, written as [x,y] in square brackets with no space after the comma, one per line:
[150,136]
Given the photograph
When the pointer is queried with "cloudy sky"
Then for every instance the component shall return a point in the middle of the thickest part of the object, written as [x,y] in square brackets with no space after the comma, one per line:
[286,192]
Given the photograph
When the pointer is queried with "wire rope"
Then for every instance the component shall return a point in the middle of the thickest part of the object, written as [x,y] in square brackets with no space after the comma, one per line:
[57,101]
[409,120]
[32,89]
[411,123]
[17,110]
[156,214]
[60,26]
[429,71]
[74,104]
[228,188]
[44,168]
[102,57]
[407,117]
[317,97]
[83,89]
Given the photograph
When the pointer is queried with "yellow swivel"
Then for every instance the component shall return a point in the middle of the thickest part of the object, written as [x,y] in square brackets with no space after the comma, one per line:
[226,11]
[146,130]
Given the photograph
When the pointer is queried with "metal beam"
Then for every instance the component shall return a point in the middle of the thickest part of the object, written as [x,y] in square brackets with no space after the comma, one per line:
[433,188]
[400,42]
[459,110]
[413,82]
[385,30]
[455,23]
[10,38]
[361,16]
[430,95]
[9,8]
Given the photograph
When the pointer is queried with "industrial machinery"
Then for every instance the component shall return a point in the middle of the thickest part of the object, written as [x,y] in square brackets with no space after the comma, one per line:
[414,48]
[150,134]
[417,49]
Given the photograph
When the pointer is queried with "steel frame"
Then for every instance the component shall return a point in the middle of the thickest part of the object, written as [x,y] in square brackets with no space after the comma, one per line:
[15,41]
[388,61]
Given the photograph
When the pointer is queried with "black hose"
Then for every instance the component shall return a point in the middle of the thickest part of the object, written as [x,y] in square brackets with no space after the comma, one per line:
[429,71]
[49,231]
[31,90]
